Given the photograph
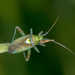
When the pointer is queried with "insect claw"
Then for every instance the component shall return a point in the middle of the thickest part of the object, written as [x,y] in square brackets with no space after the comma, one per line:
[26,59]
[16,26]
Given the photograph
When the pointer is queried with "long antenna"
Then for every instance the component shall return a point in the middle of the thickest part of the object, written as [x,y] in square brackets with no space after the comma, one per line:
[63,46]
[52,25]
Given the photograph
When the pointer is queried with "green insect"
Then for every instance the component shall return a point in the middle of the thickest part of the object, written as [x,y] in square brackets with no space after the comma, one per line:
[26,42]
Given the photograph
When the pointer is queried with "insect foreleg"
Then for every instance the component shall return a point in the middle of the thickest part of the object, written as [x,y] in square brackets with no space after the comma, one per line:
[20,30]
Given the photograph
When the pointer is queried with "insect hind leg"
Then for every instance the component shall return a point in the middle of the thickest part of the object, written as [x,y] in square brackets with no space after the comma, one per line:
[42,44]
[20,30]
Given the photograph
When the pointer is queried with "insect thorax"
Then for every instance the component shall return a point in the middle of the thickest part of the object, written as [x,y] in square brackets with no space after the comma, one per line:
[21,44]
[35,39]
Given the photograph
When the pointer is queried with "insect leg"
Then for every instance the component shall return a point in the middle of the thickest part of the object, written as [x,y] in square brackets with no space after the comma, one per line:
[20,30]
[24,55]
[28,55]
[34,45]
[36,49]
[42,44]
[32,41]
[31,31]
[40,33]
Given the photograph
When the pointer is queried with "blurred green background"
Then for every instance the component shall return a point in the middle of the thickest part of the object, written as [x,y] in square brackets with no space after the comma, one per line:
[39,15]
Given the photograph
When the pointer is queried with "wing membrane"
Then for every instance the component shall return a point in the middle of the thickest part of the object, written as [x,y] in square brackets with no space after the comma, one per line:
[4,47]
